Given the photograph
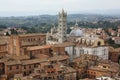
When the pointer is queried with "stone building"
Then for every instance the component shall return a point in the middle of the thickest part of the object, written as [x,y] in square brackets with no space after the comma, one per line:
[87,43]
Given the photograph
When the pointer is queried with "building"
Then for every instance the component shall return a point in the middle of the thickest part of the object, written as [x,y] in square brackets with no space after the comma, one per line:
[4,42]
[82,64]
[19,43]
[91,66]
[52,71]
[87,43]
[114,55]
[11,66]
[58,35]
[104,68]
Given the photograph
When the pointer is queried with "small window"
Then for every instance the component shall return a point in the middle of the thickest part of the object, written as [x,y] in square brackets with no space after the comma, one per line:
[91,72]
[34,39]
[24,73]
[104,66]
[34,65]
[24,67]
[30,72]
[28,40]
[10,68]
[17,67]
[29,66]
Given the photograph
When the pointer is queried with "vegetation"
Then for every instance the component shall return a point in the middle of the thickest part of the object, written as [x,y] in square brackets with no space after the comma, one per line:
[43,23]
[112,43]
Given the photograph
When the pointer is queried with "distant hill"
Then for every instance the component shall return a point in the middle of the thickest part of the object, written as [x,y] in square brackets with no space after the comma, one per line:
[42,20]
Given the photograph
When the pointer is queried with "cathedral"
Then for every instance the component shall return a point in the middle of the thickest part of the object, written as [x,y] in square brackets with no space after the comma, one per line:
[85,40]
[58,35]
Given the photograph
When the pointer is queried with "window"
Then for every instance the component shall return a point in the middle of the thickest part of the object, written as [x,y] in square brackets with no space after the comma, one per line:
[17,67]
[28,40]
[29,66]
[24,67]
[24,73]
[30,72]
[10,68]
[104,66]
[91,72]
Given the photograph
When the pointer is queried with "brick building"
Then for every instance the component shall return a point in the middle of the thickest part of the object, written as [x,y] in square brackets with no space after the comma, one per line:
[12,65]
[90,66]
[4,41]
[104,68]
[52,70]
[82,63]
[19,43]
[114,55]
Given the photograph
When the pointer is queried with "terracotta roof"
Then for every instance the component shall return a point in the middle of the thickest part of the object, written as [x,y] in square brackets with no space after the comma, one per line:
[35,34]
[38,47]
[20,57]
[59,57]
[33,61]
[65,44]
[103,69]
[113,67]
[41,56]
[111,49]
[29,43]
[70,69]
[12,62]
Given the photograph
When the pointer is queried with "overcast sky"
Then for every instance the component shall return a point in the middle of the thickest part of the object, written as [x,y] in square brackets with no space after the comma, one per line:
[38,7]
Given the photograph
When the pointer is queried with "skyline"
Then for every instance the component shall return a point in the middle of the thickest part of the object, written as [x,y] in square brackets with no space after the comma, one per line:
[37,7]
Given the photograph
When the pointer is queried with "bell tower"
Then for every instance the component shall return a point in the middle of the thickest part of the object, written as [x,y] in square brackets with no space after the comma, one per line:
[62,26]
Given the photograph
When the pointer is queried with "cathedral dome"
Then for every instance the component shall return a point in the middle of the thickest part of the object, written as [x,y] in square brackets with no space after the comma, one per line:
[76,32]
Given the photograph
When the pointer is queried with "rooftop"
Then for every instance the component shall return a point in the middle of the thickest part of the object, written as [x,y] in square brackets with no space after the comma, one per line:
[38,47]
[34,34]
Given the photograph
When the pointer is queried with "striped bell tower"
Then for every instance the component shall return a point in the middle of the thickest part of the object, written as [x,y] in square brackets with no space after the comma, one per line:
[62,26]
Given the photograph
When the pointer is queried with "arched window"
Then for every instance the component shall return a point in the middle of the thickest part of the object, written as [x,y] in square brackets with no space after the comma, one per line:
[99,43]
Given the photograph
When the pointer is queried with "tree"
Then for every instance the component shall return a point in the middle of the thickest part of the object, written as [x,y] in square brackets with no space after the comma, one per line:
[110,41]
